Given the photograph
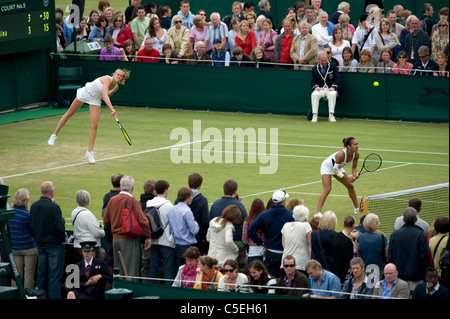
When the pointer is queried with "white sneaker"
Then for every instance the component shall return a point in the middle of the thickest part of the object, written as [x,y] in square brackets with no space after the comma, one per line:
[90,156]
[331,118]
[314,119]
[52,139]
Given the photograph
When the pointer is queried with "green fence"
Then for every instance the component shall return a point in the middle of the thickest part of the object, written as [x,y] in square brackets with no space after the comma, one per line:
[277,91]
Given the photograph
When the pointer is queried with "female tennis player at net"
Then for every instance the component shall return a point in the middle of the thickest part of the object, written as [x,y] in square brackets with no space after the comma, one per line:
[92,94]
[333,166]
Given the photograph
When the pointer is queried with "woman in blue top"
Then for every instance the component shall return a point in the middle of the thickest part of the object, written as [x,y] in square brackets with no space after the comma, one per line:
[100,30]
[22,243]
[333,166]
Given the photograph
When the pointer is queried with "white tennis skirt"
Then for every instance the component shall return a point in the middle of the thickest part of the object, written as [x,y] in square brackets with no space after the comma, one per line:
[85,97]
[327,167]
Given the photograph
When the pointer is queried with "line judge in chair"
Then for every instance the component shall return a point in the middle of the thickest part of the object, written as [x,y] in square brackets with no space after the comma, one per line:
[325,83]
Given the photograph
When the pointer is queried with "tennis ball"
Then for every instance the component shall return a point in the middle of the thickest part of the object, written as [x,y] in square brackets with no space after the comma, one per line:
[376,83]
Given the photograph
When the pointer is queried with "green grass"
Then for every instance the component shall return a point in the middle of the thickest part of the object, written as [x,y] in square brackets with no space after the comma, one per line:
[93,5]
[414,155]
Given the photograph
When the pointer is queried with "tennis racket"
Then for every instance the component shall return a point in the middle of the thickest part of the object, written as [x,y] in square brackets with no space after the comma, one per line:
[371,163]
[124,132]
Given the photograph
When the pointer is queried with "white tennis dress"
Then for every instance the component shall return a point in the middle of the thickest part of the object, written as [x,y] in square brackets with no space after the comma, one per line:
[92,92]
[328,163]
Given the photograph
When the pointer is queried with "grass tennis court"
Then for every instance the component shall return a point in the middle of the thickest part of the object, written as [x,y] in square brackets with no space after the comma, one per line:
[414,155]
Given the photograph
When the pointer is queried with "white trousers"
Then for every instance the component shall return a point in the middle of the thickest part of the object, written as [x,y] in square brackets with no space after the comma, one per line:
[324,92]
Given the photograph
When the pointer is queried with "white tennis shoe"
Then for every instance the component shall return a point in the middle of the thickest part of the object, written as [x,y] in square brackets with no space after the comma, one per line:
[52,139]
[90,156]
[331,118]
[314,119]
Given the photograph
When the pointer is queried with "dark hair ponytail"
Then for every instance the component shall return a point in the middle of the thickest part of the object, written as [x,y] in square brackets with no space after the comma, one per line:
[347,141]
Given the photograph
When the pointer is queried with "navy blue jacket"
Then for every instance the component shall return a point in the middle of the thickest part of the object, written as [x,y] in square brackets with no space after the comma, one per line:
[331,75]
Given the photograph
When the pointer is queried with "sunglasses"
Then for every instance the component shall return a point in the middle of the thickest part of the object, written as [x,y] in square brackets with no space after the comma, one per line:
[228,270]
[176,22]
[422,56]
[441,25]
[402,57]
[289,266]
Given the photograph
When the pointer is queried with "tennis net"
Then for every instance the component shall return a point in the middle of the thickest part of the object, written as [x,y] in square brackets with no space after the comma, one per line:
[389,206]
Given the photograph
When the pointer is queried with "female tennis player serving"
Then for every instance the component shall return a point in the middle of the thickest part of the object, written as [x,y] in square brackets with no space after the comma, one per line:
[333,166]
[92,94]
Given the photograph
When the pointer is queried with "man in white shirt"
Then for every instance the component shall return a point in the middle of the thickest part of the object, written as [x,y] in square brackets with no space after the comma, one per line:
[216,30]
[323,31]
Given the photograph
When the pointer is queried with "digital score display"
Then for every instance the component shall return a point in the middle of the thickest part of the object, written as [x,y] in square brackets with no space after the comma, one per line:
[26,25]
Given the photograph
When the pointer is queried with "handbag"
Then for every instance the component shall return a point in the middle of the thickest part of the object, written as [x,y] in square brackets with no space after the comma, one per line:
[130,224]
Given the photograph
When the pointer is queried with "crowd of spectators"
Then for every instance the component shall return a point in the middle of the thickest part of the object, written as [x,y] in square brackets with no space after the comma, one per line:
[274,248]
[382,40]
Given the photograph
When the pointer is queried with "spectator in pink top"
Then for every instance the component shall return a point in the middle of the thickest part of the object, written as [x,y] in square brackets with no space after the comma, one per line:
[402,66]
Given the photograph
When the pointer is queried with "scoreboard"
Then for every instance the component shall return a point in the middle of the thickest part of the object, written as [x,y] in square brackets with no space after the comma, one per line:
[26,25]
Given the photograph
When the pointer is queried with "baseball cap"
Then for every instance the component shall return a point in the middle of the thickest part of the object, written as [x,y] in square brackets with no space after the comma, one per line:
[217,40]
[279,196]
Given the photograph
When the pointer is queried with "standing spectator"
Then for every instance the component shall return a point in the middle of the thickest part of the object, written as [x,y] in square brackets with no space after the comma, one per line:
[427,21]
[198,33]
[296,238]
[216,30]
[235,26]
[323,283]
[182,224]
[416,203]
[22,242]
[408,249]
[254,250]
[178,37]
[391,286]
[185,14]
[230,192]
[157,33]
[310,16]
[439,241]
[246,38]
[266,39]
[264,8]
[283,44]
[425,66]
[163,248]
[119,31]
[47,228]
[396,28]
[271,222]
[372,245]
[86,226]
[338,44]
[291,278]
[347,28]
[128,246]
[439,39]
[110,52]
[304,48]
[165,14]
[200,209]
[355,286]
[220,235]
[236,9]
[322,241]
[414,40]
[385,39]
[343,248]
[363,37]
[149,193]
[100,30]
[323,31]
[129,10]
[430,289]
[138,26]
[342,8]
[147,53]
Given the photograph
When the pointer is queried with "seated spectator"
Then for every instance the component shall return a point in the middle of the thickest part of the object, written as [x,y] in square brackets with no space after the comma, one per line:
[439,39]
[338,44]
[355,286]
[311,17]
[100,30]
[110,52]
[283,44]
[363,38]
[347,28]
[235,26]
[322,240]
[128,51]
[442,64]
[365,64]
[250,17]
[216,30]
[415,40]
[260,281]
[178,37]
[260,57]
[120,32]
[296,238]
[406,30]
[430,289]
[304,48]
[348,63]
[425,66]
[148,54]
[198,33]
[291,278]
[239,57]
[109,14]
[402,66]
[323,283]
[344,248]
[157,33]
[385,39]
[232,280]
[266,39]
[220,235]
[254,250]
[245,38]
[443,15]
[199,57]
[168,57]
[391,286]
[83,30]
[219,56]
[291,17]
[386,64]
[188,272]
[207,275]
